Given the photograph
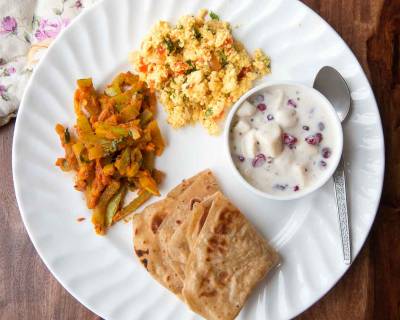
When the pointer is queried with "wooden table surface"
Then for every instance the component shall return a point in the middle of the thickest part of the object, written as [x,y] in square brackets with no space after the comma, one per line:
[369,290]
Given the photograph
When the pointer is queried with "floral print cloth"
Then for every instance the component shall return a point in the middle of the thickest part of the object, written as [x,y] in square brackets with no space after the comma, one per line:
[27,28]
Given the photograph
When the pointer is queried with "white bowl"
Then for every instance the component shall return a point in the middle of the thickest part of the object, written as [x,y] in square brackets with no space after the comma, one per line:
[334,161]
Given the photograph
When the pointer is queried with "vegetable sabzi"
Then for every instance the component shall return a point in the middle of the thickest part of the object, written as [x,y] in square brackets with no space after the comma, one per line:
[112,147]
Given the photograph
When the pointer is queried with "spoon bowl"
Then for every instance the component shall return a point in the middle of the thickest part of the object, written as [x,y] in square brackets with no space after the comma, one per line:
[332,85]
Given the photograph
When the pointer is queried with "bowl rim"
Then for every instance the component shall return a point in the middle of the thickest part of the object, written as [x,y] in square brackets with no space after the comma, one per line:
[331,168]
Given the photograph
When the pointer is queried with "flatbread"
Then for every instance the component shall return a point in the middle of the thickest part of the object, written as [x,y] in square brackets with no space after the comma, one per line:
[203,186]
[150,240]
[228,259]
[180,188]
[148,248]
[182,241]
[199,246]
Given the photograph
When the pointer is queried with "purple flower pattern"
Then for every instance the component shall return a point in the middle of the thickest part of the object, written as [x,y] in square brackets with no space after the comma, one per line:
[8,25]
[50,28]
[41,29]
[7,71]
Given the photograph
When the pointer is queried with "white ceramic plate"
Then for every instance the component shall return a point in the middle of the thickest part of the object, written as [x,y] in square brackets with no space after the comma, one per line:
[101,272]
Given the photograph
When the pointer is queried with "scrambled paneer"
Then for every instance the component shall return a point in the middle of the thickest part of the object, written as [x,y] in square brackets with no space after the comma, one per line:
[198,69]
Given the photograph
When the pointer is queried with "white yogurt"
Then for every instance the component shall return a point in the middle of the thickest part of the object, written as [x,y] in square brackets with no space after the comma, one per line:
[282,139]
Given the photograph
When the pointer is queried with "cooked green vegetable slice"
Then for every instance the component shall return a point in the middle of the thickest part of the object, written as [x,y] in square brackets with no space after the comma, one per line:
[145,117]
[132,206]
[114,205]
[99,212]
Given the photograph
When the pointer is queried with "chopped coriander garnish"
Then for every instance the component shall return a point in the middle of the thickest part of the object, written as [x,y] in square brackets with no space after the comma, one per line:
[223,59]
[67,136]
[192,67]
[170,45]
[189,71]
[197,33]
[213,15]
[209,112]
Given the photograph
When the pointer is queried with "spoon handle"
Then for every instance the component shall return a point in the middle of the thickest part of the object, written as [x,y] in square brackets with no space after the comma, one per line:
[341,201]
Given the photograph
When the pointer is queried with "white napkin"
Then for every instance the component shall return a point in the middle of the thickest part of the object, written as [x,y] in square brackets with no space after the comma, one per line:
[27,27]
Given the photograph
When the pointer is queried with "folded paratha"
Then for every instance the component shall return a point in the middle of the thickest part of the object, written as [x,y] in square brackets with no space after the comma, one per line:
[227,260]
[158,222]
[198,245]
[182,241]
[148,247]
[203,185]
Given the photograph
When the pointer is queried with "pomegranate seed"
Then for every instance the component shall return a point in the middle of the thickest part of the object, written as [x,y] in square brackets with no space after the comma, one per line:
[323,164]
[326,153]
[321,126]
[314,139]
[270,117]
[306,128]
[292,103]
[259,160]
[296,188]
[241,158]
[261,107]
[289,140]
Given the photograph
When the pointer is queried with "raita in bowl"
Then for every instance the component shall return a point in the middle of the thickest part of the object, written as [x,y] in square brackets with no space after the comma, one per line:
[285,140]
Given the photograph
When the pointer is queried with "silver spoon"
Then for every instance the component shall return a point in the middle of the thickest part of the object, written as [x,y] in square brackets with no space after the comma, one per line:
[332,85]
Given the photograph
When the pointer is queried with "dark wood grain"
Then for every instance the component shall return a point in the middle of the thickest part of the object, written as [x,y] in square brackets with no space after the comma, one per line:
[383,56]
[27,289]
[371,288]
